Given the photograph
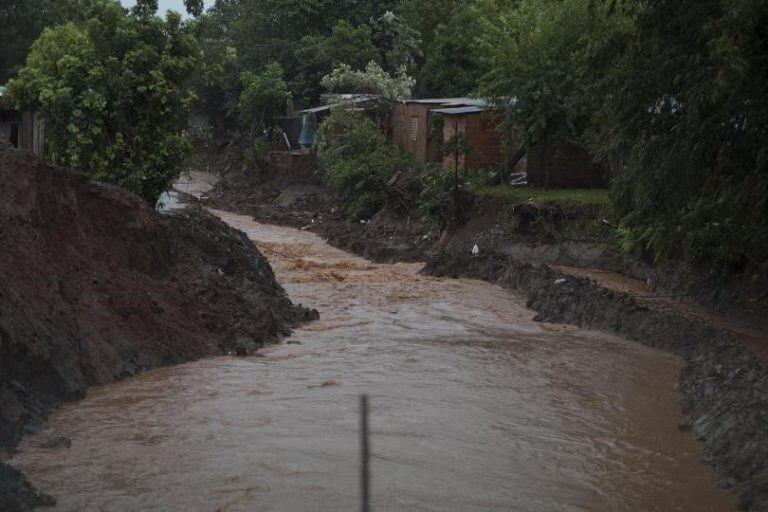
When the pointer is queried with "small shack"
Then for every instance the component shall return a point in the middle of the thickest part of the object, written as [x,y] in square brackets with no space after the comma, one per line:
[414,128]
[311,118]
[480,129]
[564,165]
[22,130]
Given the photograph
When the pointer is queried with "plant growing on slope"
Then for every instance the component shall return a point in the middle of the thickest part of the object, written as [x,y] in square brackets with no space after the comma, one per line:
[688,115]
[357,160]
[264,95]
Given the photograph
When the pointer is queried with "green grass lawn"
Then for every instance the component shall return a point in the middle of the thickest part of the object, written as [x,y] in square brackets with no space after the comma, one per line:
[546,195]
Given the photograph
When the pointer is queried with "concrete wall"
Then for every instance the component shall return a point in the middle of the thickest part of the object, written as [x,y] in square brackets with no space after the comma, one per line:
[563,165]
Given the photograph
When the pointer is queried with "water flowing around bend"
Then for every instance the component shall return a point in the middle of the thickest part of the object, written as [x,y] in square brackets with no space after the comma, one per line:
[475,407]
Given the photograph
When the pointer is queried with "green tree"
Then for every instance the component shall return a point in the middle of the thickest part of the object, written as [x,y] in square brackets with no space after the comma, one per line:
[372,80]
[263,96]
[357,160]
[114,92]
[452,63]
[194,7]
[427,17]
[686,111]
[399,45]
[22,21]
[539,58]
[318,55]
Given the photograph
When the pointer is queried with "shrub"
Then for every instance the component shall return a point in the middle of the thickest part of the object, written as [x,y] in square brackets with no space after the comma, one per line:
[357,160]
[436,183]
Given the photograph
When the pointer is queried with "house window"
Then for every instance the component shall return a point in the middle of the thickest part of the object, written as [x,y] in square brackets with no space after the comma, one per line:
[414,128]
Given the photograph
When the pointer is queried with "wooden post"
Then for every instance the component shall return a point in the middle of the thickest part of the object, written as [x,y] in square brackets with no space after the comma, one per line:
[365,456]
[456,155]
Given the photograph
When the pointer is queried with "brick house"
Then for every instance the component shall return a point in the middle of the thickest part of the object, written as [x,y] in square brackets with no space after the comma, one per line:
[419,127]
[415,132]
[564,165]
[480,128]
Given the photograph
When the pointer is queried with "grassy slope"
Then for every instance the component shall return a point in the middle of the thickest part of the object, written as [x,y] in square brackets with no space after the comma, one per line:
[547,195]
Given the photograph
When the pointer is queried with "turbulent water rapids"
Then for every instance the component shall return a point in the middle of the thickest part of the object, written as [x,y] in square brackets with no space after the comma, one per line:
[475,407]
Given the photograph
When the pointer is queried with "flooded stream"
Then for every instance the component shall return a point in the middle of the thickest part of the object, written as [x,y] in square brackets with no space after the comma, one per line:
[475,407]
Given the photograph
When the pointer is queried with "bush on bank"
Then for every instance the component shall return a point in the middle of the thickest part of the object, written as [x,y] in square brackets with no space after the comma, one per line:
[357,161]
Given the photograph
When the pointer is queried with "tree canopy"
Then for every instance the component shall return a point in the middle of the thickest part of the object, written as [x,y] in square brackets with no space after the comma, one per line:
[667,94]
[687,112]
[114,91]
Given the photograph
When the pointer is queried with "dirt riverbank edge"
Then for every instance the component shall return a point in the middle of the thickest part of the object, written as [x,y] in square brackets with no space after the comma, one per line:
[96,286]
[724,387]
[723,383]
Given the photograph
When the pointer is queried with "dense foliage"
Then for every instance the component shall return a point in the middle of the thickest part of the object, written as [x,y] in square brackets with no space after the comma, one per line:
[357,160]
[538,55]
[22,21]
[114,93]
[667,94]
[688,114]
[263,95]
[372,80]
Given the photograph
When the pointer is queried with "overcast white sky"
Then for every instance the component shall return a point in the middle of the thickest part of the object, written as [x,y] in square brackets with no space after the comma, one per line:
[176,5]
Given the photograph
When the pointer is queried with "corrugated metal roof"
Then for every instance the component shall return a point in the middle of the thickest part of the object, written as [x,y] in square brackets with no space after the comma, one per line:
[457,111]
[448,101]
[315,110]
[349,98]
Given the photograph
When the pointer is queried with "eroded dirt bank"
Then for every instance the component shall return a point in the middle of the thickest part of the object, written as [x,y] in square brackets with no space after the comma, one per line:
[96,286]
[301,200]
[724,383]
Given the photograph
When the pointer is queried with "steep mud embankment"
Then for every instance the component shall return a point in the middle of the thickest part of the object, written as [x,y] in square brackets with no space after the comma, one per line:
[556,257]
[96,286]
[301,200]
[724,383]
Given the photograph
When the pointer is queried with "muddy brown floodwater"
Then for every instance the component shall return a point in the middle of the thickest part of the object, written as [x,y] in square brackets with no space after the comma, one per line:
[475,407]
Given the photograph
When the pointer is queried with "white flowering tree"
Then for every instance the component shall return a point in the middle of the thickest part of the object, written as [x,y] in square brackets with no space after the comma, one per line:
[372,80]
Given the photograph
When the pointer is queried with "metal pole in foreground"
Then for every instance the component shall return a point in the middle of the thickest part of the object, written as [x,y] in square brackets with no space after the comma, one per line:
[365,455]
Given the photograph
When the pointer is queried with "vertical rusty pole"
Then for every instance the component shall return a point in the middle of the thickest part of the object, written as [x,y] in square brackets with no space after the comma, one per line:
[456,155]
[365,484]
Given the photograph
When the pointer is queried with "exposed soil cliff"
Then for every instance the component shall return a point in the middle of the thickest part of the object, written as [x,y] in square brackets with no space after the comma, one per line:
[301,200]
[96,286]
[724,383]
